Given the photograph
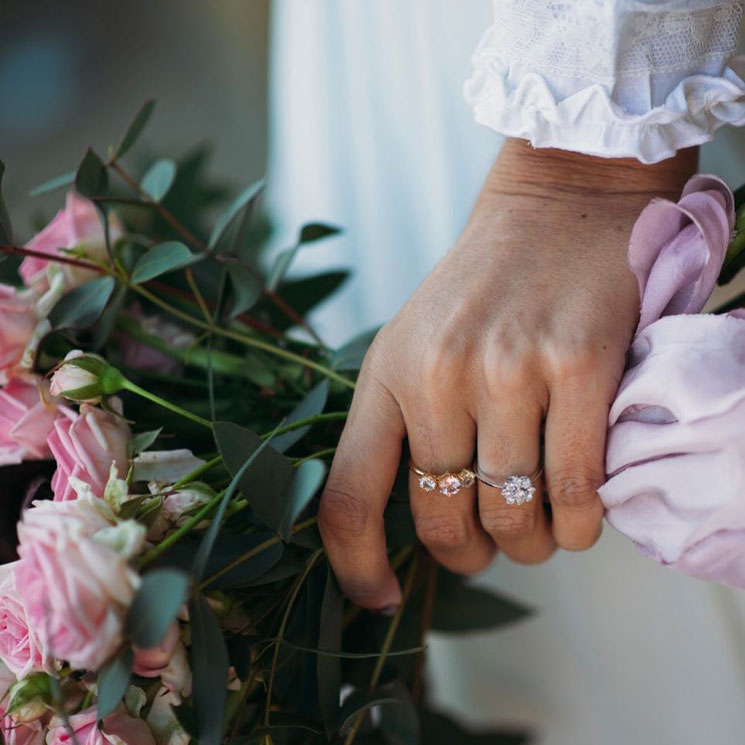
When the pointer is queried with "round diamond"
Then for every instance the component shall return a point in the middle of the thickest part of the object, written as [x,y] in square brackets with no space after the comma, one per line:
[518,490]
[450,484]
[427,482]
[467,478]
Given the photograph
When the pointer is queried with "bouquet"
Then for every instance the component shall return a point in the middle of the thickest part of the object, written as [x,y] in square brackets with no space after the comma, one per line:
[167,416]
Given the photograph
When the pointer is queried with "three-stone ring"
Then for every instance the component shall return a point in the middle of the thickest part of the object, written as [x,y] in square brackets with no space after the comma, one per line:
[517,489]
[447,483]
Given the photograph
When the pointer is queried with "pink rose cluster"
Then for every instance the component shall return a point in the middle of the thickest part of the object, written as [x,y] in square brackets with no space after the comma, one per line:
[675,454]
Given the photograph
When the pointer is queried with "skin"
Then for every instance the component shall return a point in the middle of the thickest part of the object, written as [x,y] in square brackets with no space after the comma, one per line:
[512,347]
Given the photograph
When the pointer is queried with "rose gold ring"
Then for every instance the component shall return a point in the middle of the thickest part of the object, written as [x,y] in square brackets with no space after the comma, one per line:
[447,483]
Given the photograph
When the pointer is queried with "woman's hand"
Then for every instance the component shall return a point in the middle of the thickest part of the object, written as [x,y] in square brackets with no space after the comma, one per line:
[520,330]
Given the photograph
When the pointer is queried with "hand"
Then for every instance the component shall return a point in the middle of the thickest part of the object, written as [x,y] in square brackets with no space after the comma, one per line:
[521,329]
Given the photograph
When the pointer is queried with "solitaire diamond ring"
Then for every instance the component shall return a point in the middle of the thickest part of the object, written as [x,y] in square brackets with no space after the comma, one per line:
[515,489]
[448,484]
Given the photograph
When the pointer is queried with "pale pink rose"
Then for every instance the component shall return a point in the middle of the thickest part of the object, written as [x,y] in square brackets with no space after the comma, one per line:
[141,356]
[150,663]
[20,648]
[27,414]
[84,446]
[29,733]
[74,577]
[183,500]
[77,226]
[18,320]
[72,377]
[116,729]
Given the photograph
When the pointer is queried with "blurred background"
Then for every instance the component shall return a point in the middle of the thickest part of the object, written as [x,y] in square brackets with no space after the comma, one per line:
[620,650]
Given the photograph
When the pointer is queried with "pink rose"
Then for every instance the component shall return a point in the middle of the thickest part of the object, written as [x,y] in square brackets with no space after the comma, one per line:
[17,323]
[27,414]
[84,446]
[117,729]
[74,577]
[72,377]
[30,733]
[78,227]
[150,663]
[675,453]
[20,648]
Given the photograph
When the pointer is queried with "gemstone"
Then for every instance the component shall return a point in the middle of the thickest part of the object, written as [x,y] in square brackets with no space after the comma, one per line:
[467,478]
[518,490]
[427,482]
[449,484]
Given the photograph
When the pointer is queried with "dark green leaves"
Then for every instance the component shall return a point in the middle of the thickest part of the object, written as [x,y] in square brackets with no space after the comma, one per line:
[328,668]
[160,259]
[159,178]
[53,183]
[312,404]
[135,128]
[305,483]
[6,231]
[316,231]
[209,658]
[246,289]
[113,681]
[244,199]
[161,594]
[91,179]
[82,307]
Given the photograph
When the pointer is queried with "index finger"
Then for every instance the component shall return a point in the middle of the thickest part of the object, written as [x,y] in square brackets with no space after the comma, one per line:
[350,517]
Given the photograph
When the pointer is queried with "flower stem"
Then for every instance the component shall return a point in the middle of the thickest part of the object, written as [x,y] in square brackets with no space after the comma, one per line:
[197,472]
[128,385]
[329,416]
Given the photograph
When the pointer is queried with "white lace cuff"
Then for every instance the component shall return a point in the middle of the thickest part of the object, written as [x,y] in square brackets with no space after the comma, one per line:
[627,78]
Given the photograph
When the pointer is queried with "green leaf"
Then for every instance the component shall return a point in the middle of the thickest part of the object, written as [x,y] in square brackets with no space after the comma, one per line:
[91,179]
[734,259]
[313,403]
[266,481]
[305,483]
[135,128]
[210,536]
[161,594]
[159,179]
[244,199]
[53,183]
[460,607]
[187,718]
[399,723]
[210,662]
[280,267]
[160,259]
[113,681]
[436,727]
[328,668]
[316,231]
[109,318]
[6,230]
[143,440]
[246,289]
[82,306]
[358,701]
[350,356]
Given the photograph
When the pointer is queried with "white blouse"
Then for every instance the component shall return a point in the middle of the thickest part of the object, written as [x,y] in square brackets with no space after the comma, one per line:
[613,78]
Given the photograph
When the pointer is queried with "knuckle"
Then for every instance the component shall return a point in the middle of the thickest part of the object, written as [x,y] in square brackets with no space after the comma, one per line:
[342,514]
[439,368]
[575,361]
[574,489]
[512,523]
[444,532]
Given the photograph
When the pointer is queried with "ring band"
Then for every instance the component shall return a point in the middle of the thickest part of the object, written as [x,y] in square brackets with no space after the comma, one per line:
[447,483]
[516,489]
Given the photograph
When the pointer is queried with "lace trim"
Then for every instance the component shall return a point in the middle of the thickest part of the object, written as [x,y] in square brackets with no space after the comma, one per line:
[589,121]
[603,41]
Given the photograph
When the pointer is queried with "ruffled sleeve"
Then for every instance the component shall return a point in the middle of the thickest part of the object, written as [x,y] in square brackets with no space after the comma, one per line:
[613,78]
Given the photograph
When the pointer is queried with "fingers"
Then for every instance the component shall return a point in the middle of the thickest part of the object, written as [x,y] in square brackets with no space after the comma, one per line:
[350,516]
[509,444]
[447,525]
[576,425]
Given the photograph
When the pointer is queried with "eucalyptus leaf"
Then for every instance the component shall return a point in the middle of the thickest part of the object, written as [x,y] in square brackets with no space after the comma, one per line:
[280,267]
[159,178]
[246,289]
[161,259]
[351,355]
[6,230]
[111,314]
[328,668]
[91,178]
[359,702]
[143,440]
[82,306]
[399,723]
[739,197]
[135,128]
[158,599]
[313,403]
[210,662]
[53,183]
[316,231]
[113,681]
[244,199]
[307,480]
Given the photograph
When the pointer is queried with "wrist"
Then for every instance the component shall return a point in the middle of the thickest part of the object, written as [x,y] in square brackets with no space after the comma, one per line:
[520,168]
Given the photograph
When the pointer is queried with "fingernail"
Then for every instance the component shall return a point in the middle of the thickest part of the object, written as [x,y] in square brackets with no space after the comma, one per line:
[387,610]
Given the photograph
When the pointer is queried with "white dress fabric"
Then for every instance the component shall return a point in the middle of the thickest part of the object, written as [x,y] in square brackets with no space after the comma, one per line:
[638,78]
[370,131]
